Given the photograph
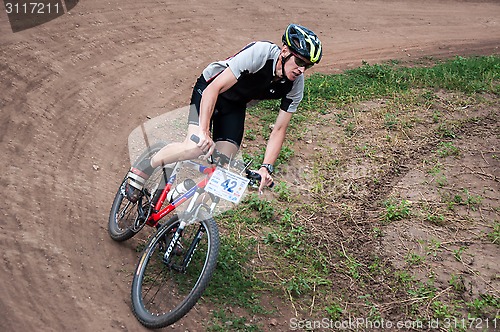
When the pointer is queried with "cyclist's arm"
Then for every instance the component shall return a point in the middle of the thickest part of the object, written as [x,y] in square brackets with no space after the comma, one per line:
[274,145]
[221,83]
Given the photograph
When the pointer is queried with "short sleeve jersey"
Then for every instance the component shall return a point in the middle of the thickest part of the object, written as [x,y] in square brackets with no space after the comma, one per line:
[254,68]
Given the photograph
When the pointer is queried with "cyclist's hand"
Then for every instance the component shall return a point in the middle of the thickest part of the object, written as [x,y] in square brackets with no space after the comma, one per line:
[206,144]
[266,179]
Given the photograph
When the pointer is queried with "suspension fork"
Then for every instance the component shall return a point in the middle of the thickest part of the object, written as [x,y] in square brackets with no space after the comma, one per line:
[173,242]
[178,232]
[192,248]
[191,213]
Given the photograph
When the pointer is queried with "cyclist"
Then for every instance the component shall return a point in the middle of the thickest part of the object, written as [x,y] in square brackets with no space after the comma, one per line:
[220,96]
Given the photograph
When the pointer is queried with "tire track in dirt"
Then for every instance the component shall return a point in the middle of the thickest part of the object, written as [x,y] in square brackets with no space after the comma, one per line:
[74,88]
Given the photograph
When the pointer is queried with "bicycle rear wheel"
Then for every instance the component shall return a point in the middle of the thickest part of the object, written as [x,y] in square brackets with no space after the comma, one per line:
[124,218]
[164,290]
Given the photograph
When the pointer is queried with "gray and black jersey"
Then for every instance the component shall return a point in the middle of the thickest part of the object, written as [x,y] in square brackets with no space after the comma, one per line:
[254,68]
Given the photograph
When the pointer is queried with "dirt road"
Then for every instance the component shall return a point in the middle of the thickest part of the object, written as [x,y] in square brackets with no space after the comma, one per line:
[75,84]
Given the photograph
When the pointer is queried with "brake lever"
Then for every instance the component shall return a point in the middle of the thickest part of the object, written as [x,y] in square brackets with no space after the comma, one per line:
[254,176]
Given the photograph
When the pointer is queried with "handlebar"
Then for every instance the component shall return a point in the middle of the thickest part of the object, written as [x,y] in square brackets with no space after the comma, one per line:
[223,159]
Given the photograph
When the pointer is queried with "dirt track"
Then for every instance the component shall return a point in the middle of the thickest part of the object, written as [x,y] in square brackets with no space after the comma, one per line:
[74,87]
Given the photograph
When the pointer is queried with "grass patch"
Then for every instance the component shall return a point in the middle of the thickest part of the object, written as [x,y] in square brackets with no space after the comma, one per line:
[468,75]
[291,246]
[233,282]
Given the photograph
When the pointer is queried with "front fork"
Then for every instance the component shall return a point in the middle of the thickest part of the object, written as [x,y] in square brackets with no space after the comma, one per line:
[192,247]
[190,216]
[189,253]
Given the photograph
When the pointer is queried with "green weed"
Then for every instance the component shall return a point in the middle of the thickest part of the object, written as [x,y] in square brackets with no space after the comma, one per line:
[413,259]
[484,306]
[262,206]
[334,311]
[436,168]
[423,290]
[467,199]
[232,282]
[349,129]
[441,310]
[434,248]
[441,181]
[390,120]
[494,236]
[457,253]
[404,277]
[436,219]
[447,130]
[377,232]
[446,149]
[396,210]
[457,283]
[250,135]
[469,75]
[283,191]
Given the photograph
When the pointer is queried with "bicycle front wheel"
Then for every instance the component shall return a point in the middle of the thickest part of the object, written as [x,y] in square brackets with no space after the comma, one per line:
[164,289]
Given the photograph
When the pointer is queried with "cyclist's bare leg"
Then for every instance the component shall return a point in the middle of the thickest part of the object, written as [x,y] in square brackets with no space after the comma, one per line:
[188,149]
[178,151]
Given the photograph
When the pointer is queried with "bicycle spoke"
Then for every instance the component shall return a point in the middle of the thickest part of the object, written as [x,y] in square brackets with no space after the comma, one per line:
[125,211]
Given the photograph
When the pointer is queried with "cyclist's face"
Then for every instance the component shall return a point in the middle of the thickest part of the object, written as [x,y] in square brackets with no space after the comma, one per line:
[295,66]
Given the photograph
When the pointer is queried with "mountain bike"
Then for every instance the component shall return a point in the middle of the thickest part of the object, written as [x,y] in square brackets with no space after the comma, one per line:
[180,257]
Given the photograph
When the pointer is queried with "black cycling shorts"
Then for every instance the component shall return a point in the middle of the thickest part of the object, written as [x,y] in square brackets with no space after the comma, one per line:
[228,120]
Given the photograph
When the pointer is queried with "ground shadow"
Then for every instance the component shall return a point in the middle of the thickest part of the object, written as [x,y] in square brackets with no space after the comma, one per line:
[26,14]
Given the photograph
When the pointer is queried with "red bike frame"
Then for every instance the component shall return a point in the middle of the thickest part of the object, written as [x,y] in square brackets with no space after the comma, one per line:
[159,213]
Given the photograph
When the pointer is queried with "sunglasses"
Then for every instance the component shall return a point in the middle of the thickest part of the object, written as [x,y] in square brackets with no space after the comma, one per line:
[302,63]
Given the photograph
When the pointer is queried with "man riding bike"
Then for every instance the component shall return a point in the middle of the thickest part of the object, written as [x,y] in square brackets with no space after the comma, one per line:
[220,96]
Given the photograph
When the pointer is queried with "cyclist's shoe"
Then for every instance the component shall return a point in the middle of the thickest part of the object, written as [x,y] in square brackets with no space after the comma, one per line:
[132,193]
[136,178]
[133,187]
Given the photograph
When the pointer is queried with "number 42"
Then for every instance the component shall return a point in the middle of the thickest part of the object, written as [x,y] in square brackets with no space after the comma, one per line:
[229,185]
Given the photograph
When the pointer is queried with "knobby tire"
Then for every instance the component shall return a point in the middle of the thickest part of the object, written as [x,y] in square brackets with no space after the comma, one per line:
[161,295]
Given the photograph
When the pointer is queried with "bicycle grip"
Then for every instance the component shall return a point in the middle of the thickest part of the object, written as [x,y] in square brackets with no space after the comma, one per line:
[195,138]
[256,176]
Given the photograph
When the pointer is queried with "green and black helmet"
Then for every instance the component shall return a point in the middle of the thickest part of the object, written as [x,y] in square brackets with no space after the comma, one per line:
[303,42]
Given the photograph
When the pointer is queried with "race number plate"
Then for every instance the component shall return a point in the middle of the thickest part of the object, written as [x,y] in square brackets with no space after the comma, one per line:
[227,185]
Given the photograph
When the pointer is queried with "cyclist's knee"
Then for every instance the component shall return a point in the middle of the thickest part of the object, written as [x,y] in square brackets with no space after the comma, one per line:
[229,148]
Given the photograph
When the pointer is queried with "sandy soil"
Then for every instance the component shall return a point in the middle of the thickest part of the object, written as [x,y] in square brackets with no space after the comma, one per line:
[75,84]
